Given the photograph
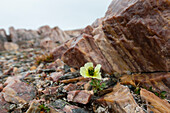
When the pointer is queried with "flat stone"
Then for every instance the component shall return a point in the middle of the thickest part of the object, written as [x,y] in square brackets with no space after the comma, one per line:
[70,87]
[79,96]
[120,100]
[157,81]
[56,75]
[19,92]
[154,103]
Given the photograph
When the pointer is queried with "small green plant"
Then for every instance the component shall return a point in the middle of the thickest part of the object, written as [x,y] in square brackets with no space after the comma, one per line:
[88,71]
[160,94]
[137,90]
[44,108]
[163,94]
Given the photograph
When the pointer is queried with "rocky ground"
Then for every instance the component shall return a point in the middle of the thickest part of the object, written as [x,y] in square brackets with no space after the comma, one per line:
[131,43]
[33,86]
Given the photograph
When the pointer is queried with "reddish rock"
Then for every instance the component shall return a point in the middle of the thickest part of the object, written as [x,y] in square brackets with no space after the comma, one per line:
[157,81]
[83,50]
[120,100]
[129,39]
[56,64]
[78,96]
[20,35]
[4,106]
[70,87]
[55,34]
[56,75]
[155,104]
[19,92]
[11,80]
[140,36]
[72,94]
[50,90]
[74,80]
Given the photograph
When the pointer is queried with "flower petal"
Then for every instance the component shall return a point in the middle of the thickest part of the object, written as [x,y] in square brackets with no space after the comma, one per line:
[83,71]
[97,68]
[98,76]
[88,64]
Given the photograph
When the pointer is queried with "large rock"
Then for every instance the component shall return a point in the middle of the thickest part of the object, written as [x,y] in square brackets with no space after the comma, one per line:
[133,37]
[18,92]
[55,34]
[120,100]
[154,103]
[138,31]
[157,81]
[19,35]
[30,38]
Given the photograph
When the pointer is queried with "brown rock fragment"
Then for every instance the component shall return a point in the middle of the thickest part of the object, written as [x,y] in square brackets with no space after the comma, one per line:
[157,81]
[78,96]
[56,75]
[70,87]
[155,104]
[120,100]
[18,92]
[74,80]
[128,38]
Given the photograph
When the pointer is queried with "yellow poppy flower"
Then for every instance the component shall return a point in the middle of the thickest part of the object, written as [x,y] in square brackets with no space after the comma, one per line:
[89,71]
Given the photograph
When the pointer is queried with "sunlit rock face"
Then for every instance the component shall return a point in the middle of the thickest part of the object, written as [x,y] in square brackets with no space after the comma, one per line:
[133,36]
[138,31]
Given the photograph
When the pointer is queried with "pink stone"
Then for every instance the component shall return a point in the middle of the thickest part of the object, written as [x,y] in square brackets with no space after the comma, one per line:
[78,96]
[56,75]
[70,87]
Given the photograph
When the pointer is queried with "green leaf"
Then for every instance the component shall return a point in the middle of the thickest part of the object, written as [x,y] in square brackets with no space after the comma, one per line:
[150,89]
[163,92]
[157,94]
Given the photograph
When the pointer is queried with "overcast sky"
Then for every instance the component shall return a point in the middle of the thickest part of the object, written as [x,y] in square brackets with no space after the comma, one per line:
[67,14]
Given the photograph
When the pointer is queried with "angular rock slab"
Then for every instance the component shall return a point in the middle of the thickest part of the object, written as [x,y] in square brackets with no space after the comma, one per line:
[121,101]
[133,36]
[158,81]
[139,31]
[82,50]
[78,96]
[154,103]
[19,92]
